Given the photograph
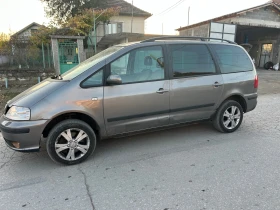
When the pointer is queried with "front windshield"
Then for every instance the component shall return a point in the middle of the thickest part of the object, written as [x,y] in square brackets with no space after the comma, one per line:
[82,67]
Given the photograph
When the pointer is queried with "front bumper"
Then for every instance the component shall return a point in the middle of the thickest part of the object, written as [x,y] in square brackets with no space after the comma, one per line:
[23,136]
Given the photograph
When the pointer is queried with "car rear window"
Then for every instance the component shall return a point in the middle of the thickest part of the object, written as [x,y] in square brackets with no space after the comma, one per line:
[232,59]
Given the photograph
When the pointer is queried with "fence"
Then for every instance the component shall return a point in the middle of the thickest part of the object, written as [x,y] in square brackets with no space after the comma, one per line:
[26,57]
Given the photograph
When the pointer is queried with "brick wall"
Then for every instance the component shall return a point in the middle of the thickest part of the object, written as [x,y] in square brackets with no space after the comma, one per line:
[267,14]
[202,31]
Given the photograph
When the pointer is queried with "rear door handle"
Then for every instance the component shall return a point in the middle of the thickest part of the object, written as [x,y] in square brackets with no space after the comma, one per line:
[162,91]
[217,84]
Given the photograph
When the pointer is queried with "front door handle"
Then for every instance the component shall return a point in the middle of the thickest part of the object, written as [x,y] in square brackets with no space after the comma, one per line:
[217,84]
[162,91]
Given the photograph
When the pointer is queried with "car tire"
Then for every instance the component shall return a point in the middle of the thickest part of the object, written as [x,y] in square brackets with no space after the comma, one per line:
[71,142]
[228,117]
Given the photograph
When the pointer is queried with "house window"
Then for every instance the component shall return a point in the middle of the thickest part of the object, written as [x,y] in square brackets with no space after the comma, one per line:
[113,28]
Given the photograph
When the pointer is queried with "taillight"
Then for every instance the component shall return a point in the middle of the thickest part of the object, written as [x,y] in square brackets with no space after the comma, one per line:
[256,83]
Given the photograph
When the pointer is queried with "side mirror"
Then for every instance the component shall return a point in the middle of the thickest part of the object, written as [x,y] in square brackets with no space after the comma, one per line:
[114,80]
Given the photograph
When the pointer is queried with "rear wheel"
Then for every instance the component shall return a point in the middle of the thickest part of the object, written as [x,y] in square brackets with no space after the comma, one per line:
[228,117]
[71,142]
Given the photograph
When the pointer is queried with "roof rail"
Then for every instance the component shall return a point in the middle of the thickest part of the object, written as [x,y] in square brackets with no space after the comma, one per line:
[185,38]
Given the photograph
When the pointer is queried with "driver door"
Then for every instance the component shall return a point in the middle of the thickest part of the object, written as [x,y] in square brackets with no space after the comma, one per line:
[142,100]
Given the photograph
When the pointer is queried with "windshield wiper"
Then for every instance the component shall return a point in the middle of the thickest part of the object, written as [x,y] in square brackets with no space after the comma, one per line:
[58,77]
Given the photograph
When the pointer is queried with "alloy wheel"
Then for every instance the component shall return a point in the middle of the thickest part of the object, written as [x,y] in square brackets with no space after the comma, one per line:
[231,117]
[72,144]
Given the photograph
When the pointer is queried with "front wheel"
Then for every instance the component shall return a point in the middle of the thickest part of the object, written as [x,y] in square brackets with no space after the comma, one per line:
[228,117]
[71,142]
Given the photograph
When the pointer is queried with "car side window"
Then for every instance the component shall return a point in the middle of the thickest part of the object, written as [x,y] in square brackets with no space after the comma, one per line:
[232,59]
[191,59]
[140,65]
[94,80]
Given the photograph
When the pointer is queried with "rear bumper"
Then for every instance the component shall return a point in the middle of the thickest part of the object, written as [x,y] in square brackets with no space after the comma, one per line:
[251,101]
[23,136]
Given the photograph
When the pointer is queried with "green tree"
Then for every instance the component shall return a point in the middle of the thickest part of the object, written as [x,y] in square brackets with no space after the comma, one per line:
[42,35]
[82,24]
[63,9]
[4,40]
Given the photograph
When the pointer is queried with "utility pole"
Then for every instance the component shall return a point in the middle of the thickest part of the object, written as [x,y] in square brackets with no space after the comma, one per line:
[132,16]
[162,28]
[94,27]
[189,16]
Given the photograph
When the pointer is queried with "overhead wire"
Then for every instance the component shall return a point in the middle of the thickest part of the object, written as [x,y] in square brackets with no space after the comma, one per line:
[170,8]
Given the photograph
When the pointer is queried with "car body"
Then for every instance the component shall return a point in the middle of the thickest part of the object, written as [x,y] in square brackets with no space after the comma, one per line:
[132,88]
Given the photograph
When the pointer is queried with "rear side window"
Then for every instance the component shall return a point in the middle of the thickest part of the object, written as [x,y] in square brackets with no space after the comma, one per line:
[188,60]
[232,59]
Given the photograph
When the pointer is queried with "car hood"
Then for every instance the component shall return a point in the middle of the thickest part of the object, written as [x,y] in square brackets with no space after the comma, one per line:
[36,93]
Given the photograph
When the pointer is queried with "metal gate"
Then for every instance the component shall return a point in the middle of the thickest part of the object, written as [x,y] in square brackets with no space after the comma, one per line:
[68,55]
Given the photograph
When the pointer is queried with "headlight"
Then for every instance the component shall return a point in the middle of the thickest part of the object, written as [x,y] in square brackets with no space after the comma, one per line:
[18,113]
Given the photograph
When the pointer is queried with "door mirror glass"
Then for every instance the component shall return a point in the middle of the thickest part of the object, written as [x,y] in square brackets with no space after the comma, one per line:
[114,80]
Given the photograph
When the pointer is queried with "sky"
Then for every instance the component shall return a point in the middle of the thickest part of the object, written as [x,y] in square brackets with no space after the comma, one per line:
[16,14]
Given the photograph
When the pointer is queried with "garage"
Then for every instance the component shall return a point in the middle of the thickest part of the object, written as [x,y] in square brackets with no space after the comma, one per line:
[257,29]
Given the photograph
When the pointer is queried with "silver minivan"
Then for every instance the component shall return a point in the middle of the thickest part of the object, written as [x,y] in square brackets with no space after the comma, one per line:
[131,88]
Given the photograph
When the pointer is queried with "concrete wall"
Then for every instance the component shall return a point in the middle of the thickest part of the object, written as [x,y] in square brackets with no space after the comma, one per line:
[264,17]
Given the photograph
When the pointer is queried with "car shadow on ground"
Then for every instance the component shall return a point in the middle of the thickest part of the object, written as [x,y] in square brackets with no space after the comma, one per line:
[128,148]
[148,145]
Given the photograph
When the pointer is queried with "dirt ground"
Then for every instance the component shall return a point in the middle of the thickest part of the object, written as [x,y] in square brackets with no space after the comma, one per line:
[269,83]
